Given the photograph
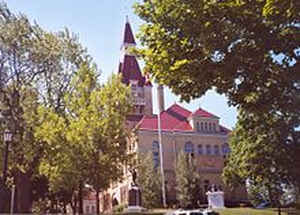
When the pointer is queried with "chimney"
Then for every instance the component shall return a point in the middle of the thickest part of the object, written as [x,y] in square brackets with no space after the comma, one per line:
[160,97]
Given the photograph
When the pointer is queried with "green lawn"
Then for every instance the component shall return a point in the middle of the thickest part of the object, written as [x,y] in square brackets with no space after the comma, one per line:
[238,211]
[251,211]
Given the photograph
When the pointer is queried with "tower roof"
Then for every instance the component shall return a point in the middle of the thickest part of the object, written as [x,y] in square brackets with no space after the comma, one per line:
[131,71]
[129,67]
[128,35]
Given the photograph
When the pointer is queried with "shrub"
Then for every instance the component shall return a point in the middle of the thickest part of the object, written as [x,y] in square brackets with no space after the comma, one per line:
[119,208]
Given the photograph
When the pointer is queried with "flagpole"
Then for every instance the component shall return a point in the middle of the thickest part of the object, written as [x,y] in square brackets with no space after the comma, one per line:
[163,187]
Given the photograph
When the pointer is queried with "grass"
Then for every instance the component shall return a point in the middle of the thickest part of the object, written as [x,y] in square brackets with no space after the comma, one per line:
[251,211]
[239,211]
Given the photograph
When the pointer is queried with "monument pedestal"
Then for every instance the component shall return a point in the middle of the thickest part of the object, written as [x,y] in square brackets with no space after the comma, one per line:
[215,199]
[134,200]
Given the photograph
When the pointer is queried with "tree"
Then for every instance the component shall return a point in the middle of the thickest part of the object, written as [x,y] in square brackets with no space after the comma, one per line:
[187,182]
[231,46]
[262,151]
[247,50]
[149,181]
[89,141]
[35,69]
[257,194]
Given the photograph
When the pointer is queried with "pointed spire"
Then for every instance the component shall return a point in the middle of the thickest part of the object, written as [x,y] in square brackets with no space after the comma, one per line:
[128,35]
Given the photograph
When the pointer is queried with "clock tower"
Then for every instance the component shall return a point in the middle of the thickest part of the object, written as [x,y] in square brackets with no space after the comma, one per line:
[141,87]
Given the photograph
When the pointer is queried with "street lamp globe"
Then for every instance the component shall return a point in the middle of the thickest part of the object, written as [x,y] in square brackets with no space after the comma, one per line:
[7,135]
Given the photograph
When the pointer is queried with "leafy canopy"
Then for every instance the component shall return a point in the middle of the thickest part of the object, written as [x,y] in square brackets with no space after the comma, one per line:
[248,50]
[149,181]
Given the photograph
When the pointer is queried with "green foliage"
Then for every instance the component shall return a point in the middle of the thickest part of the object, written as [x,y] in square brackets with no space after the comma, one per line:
[261,154]
[65,125]
[36,67]
[119,208]
[187,182]
[229,45]
[149,180]
[247,50]
[88,142]
[257,194]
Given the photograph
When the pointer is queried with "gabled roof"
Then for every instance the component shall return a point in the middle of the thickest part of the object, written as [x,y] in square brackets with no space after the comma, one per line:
[202,113]
[175,118]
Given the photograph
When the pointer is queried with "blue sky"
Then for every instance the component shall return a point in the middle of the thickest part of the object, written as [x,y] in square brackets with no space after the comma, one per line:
[99,25]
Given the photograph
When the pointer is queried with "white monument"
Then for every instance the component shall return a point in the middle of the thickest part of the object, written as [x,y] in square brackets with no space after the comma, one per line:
[215,199]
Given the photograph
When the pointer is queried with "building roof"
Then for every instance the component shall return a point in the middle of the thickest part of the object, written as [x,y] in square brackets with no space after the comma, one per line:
[128,35]
[130,70]
[129,67]
[175,118]
[202,113]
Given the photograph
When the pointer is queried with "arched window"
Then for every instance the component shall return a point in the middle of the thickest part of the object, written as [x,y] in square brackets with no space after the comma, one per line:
[208,149]
[198,126]
[201,126]
[205,126]
[189,147]
[216,150]
[200,149]
[206,185]
[155,153]
[225,149]
[209,126]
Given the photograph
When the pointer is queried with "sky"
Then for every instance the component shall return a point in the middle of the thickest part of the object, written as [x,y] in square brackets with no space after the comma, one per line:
[99,24]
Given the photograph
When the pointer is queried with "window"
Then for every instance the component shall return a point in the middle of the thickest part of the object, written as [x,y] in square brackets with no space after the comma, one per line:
[209,126]
[133,85]
[206,185]
[201,126]
[189,147]
[200,149]
[225,149]
[208,150]
[93,209]
[141,93]
[155,146]
[205,126]
[87,209]
[198,126]
[141,109]
[214,127]
[216,150]
[155,153]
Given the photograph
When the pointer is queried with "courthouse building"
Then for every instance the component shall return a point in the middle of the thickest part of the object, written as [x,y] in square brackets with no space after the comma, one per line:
[196,132]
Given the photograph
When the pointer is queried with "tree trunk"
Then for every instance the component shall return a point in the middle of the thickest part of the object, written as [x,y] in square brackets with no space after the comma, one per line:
[64,207]
[74,203]
[80,198]
[97,202]
[279,209]
[24,194]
